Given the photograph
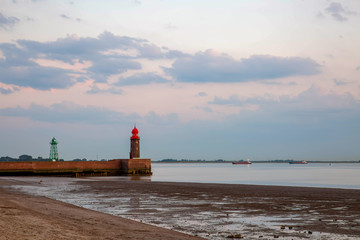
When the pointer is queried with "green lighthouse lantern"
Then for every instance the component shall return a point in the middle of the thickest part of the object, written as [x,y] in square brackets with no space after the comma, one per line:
[54,156]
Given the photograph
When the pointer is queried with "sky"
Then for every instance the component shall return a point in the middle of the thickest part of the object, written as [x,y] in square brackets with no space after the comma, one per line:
[232,79]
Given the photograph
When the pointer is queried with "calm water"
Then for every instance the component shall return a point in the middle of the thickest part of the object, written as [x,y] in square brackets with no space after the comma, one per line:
[335,175]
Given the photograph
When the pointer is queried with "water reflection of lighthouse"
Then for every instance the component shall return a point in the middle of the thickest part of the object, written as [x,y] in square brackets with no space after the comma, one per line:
[135,144]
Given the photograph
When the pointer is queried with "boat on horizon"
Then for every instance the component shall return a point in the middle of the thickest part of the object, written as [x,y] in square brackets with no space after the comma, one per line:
[242,162]
[298,162]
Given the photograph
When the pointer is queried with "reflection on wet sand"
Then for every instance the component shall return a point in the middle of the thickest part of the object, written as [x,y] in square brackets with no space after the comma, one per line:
[215,211]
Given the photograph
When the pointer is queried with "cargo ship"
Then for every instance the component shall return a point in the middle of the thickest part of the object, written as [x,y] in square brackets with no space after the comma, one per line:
[242,162]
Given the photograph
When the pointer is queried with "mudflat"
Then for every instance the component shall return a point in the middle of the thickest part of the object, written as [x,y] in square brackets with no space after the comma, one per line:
[212,211]
[208,210]
[24,217]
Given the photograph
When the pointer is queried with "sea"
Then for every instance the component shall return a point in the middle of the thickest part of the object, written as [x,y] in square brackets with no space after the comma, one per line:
[153,209]
[329,175]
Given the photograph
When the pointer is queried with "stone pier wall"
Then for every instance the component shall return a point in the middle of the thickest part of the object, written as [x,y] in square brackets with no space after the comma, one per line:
[73,168]
[135,166]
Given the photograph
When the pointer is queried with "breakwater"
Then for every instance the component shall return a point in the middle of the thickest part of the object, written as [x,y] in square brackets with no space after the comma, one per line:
[115,167]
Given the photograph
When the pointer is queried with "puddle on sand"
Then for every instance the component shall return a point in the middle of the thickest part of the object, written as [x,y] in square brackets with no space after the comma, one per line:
[174,213]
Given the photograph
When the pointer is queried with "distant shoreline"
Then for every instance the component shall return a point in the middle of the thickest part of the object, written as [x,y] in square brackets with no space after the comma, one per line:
[265,161]
[28,158]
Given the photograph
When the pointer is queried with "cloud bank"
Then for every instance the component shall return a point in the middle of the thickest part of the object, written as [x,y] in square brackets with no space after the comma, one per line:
[69,112]
[308,106]
[110,55]
[211,67]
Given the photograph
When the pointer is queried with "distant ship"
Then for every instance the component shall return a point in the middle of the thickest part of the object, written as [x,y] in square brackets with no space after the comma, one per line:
[242,162]
[298,162]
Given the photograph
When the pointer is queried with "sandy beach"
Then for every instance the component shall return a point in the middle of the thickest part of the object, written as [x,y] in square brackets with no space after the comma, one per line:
[294,212]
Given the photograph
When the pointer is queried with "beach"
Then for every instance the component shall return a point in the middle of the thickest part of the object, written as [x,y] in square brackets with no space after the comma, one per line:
[205,210]
[31,217]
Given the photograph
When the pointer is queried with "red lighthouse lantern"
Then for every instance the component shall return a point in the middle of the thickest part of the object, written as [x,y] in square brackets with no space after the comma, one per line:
[135,144]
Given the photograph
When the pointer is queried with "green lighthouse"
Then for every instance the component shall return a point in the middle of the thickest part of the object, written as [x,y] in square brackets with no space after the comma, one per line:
[54,156]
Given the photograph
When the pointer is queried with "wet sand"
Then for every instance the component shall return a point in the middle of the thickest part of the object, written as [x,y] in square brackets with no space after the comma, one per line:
[198,209]
[28,217]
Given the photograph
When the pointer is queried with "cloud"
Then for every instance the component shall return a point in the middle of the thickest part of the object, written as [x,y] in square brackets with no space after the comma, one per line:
[106,45]
[211,67]
[341,82]
[72,113]
[151,51]
[37,77]
[202,94]
[171,54]
[309,105]
[95,90]
[6,91]
[232,100]
[7,22]
[235,100]
[101,70]
[338,13]
[108,55]
[141,79]
[64,16]
[157,119]
[18,69]
[69,112]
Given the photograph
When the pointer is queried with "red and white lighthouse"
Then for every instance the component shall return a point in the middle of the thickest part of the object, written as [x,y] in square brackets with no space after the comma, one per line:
[135,144]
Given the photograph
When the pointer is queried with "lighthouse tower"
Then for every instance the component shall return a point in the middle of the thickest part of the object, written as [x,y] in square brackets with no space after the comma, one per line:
[135,144]
[54,155]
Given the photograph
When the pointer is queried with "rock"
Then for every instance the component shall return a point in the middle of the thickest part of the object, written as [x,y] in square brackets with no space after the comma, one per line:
[282,227]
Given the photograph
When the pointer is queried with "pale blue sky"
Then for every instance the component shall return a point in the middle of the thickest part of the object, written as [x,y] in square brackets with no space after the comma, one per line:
[228,79]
